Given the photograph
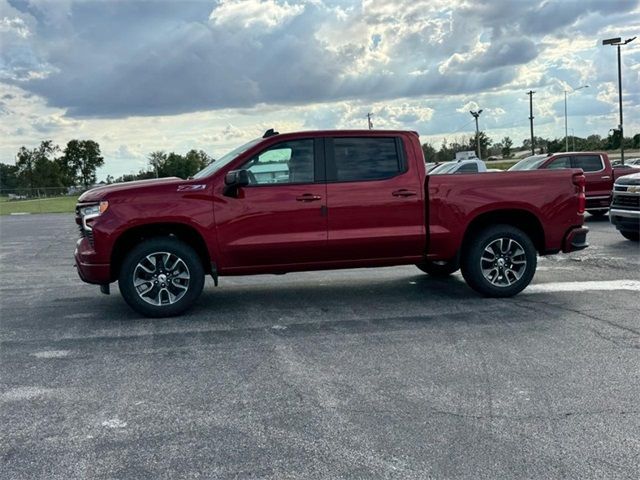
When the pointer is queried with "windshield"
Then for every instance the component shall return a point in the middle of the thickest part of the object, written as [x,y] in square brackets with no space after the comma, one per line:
[529,163]
[444,168]
[226,159]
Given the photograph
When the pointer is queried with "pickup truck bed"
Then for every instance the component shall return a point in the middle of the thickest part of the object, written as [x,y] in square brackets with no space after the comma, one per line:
[324,200]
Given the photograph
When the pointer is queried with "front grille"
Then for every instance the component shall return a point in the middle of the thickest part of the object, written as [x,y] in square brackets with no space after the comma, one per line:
[88,234]
[626,201]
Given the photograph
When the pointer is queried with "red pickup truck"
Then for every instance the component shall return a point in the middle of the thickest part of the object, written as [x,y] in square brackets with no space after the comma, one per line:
[599,174]
[323,200]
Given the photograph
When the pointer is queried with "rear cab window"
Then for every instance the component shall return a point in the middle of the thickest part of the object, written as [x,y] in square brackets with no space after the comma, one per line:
[353,159]
[588,163]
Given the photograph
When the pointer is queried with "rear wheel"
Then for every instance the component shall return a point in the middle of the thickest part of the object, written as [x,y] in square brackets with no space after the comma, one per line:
[631,235]
[500,261]
[161,277]
[439,268]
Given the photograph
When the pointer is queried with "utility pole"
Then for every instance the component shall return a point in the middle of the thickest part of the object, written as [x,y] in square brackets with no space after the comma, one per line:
[476,115]
[369,122]
[533,144]
[618,42]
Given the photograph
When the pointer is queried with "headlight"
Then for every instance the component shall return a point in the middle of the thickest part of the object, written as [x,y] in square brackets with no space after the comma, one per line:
[92,211]
[95,210]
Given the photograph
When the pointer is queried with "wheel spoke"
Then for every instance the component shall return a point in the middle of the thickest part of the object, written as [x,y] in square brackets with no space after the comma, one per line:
[161,278]
[503,262]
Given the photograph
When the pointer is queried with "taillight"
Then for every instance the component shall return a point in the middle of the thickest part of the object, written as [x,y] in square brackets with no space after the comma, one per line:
[580,181]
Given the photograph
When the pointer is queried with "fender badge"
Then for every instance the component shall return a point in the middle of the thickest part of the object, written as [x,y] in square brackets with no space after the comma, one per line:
[190,188]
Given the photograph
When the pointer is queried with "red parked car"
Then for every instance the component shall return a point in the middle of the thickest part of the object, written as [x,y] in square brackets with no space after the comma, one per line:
[599,174]
[323,200]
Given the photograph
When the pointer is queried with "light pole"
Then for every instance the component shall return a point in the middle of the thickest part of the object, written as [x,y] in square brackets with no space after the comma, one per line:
[566,130]
[617,42]
[369,122]
[476,115]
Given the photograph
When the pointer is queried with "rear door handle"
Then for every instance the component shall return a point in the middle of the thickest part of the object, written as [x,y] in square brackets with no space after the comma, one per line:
[403,192]
[606,177]
[308,197]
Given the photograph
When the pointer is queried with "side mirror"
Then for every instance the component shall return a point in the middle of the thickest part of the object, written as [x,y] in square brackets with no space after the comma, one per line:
[233,180]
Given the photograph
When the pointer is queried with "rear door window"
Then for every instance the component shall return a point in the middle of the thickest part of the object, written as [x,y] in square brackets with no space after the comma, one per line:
[365,158]
[588,163]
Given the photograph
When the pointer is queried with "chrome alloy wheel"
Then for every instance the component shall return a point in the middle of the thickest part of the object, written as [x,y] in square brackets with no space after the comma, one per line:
[503,262]
[161,278]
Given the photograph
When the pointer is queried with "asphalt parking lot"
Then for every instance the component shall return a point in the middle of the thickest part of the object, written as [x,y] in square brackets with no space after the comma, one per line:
[371,373]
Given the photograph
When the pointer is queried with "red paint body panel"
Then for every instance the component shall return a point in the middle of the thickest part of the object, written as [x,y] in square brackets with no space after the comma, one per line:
[456,200]
[266,229]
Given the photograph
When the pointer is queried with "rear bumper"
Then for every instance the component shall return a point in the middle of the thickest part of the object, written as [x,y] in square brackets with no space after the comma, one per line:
[88,270]
[575,240]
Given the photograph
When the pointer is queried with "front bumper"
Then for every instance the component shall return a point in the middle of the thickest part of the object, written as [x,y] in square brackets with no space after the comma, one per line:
[625,220]
[576,239]
[88,269]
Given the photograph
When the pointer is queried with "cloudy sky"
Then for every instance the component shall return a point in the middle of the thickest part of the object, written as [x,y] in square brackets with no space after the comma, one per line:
[139,76]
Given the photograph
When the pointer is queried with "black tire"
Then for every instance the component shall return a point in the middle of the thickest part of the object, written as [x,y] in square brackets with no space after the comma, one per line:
[598,213]
[184,290]
[440,268]
[508,268]
[634,236]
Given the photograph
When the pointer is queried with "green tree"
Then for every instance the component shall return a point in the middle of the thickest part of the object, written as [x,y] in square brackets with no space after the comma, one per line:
[429,152]
[507,143]
[80,161]
[485,142]
[157,160]
[8,178]
[37,169]
[175,165]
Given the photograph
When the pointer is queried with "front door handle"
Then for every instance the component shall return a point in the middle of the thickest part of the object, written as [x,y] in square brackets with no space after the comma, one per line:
[403,192]
[606,177]
[308,197]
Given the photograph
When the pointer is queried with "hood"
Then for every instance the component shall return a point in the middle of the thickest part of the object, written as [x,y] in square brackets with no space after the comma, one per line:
[99,193]
[632,179]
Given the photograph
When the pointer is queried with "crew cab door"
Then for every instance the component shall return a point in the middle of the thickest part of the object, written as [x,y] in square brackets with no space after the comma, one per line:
[280,217]
[374,199]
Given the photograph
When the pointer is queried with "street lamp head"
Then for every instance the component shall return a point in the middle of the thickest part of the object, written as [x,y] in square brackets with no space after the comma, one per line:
[479,111]
[612,41]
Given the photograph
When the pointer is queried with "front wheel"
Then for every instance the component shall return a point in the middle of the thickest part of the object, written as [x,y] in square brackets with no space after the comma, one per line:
[634,236]
[500,261]
[161,277]
[439,268]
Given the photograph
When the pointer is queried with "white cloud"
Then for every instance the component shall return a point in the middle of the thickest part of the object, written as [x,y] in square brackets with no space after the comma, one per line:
[15,25]
[254,13]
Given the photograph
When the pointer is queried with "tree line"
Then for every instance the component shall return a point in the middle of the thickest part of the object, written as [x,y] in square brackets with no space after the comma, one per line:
[49,170]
